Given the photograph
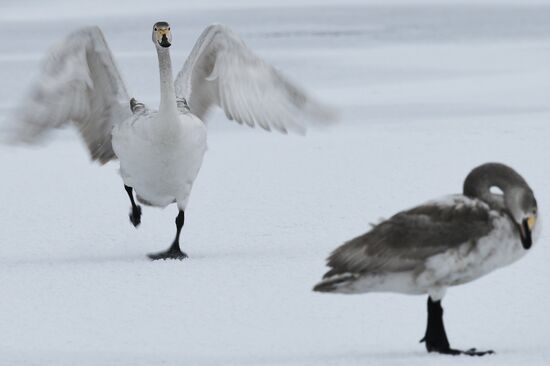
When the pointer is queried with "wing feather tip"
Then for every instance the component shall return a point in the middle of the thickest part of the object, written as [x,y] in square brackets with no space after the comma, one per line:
[333,281]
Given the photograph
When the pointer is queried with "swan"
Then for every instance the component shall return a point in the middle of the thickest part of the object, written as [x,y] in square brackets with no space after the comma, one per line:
[442,243]
[160,151]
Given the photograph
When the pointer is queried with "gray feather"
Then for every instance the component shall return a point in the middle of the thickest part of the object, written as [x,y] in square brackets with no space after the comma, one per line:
[404,241]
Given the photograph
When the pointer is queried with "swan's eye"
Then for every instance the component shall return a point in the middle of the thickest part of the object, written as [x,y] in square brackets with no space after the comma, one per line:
[168,28]
[156,29]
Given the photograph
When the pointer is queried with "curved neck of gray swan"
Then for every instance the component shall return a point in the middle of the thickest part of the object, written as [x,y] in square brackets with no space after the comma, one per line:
[479,182]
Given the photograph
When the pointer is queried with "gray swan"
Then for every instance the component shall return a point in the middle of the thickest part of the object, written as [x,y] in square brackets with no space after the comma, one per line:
[442,243]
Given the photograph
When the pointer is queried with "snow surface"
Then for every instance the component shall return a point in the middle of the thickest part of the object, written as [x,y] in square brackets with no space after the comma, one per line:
[427,92]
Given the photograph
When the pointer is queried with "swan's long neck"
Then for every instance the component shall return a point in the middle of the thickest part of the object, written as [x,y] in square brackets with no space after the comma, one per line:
[167,92]
[480,180]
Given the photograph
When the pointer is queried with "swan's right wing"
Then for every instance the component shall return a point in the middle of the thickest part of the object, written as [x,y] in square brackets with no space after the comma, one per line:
[79,83]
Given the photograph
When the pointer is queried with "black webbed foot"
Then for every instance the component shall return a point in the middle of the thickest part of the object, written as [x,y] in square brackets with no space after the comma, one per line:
[436,337]
[475,352]
[135,216]
[457,352]
[172,253]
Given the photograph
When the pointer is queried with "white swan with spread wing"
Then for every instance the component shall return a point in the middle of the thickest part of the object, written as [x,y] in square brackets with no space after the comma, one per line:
[160,152]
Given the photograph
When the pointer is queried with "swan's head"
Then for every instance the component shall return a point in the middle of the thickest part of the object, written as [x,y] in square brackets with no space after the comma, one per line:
[522,205]
[518,200]
[162,37]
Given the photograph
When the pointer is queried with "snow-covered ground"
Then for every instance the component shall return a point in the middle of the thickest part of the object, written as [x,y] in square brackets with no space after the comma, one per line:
[426,91]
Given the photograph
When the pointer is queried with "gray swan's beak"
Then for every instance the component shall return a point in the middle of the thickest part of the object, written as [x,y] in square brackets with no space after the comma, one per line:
[525,234]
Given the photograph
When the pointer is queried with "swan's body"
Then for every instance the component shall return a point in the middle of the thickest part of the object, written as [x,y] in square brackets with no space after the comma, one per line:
[442,243]
[160,152]
[458,240]
[148,150]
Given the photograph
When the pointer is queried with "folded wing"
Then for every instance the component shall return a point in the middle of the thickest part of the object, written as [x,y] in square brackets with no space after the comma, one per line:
[80,83]
[407,239]
[221,70]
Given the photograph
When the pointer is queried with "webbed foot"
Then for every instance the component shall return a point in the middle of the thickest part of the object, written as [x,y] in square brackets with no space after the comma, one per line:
[457,352]
[172,253]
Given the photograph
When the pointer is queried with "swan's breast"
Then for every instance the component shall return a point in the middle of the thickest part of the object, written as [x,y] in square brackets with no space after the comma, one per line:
[159,161]
[474,259]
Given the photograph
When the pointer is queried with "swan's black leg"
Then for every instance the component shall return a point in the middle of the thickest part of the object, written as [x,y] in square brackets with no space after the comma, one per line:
[436,337]
[135,213]
[174,252]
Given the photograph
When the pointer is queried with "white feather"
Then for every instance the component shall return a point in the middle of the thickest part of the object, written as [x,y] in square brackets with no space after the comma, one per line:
[160,152]
[79,83]
[221,70]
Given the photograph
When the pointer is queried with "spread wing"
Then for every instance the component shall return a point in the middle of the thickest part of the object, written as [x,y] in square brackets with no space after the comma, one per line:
[221,70]
[79,82]
[407,239]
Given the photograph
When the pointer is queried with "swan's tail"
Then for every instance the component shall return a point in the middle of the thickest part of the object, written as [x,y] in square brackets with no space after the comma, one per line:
[335,283]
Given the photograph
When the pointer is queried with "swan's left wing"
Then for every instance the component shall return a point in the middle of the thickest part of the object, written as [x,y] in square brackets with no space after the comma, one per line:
[406,240]
[80,83]
[221,70]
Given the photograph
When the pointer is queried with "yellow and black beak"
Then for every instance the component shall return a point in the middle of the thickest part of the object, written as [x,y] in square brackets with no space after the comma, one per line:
[525,230]
[163,37]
